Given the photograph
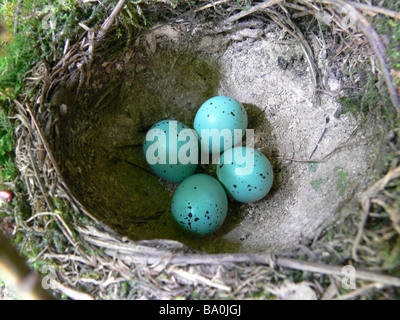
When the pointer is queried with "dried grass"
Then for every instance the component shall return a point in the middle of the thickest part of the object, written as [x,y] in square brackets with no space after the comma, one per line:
[94,262]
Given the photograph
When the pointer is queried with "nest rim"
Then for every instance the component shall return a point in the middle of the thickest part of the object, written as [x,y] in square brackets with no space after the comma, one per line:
[150,256]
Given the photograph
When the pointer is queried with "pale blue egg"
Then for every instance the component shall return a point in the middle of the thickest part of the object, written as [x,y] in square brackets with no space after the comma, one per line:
[246,174]
[220,113]
[199,205]
[169,158]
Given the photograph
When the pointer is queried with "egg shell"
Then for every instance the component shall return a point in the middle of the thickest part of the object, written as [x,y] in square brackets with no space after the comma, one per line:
[220,113]
[172,171]
[257,180]
[199,205]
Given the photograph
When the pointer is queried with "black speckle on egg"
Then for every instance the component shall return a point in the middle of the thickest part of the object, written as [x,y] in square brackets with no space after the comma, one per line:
[190,215]
[235,186]
[196,219]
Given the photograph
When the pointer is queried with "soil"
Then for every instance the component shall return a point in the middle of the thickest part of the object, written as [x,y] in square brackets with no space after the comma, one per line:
[168,73]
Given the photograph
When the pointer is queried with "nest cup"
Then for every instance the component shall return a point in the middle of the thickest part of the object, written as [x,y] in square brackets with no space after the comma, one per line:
[94,118]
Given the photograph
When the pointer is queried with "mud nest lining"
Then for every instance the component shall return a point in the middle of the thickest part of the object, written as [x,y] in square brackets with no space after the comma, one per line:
[80,152]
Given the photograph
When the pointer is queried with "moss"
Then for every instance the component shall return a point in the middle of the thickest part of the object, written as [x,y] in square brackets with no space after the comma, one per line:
[362,100]
[316,184]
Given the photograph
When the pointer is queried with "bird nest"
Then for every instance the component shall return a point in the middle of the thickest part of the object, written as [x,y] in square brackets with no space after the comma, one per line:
[100,219]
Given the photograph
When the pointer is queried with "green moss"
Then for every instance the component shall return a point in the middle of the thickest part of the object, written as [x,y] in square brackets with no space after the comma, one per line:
[316,184]
[365,99]
[343,183]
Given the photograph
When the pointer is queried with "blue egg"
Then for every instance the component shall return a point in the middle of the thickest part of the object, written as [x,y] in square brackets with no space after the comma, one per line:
[220,113]
[199,205]
[246,174]
[171,150]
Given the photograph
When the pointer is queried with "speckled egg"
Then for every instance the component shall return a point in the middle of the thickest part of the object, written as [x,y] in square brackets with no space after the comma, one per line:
[169,158]
[200,205]
[220,113]
[246,174]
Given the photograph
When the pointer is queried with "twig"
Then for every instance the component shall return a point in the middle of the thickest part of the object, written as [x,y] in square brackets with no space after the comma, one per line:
[132,252]
[330,154]
[336,271]
[210,5]
[253,9]
[378,186]
[53,161]
[67,233]
[375,9]
[311,64]
[39,180]
[376,45]
[17,274]
[393,213]
[316,146]
[356,293]
[43,140]
[71,293]
[198,278]
[358,237]
[296,33]
[192,259]
[110,20]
